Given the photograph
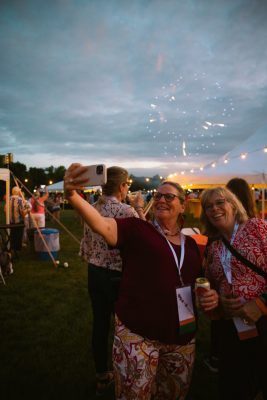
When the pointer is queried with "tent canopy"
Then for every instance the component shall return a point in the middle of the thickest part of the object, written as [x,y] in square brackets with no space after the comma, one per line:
[252,167]
[206,181]
[59,187]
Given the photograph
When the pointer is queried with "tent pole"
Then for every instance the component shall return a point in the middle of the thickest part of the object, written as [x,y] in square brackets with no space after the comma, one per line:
[262,202]
[7,199]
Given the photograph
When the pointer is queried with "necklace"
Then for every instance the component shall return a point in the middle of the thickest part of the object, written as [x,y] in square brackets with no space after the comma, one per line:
[165,231]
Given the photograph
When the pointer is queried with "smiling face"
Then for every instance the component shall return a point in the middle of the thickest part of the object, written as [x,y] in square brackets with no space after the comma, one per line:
[168,210]
[220,213]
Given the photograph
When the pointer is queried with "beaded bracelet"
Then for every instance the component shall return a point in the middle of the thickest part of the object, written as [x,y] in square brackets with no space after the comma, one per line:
[261,305]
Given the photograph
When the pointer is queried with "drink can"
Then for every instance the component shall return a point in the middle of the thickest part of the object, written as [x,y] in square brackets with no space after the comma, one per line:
[201,285]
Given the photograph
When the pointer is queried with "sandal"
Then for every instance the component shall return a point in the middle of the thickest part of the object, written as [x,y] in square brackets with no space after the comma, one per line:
[103,382]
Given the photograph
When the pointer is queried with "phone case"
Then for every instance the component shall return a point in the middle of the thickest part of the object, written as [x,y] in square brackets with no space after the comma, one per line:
[96,175]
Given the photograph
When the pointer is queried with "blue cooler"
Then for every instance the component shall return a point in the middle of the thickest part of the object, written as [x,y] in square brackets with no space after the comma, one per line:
[51,237]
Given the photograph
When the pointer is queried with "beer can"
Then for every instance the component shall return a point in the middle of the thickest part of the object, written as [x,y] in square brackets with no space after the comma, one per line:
[201,285]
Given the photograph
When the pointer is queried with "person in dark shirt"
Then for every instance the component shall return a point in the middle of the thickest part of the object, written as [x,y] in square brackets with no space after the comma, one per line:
[154,341]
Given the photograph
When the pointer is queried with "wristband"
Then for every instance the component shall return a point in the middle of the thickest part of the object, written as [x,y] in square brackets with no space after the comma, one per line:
[261,305]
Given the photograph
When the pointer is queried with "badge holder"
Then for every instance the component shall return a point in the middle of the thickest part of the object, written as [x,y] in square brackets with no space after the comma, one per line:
[186,313]
[244,330]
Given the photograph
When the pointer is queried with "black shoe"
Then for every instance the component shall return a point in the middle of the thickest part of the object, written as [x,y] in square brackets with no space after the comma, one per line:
[212,363]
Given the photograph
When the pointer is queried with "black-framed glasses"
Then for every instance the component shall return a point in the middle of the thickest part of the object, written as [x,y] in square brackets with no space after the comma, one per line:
[167,196]
[128,183]
[218,203]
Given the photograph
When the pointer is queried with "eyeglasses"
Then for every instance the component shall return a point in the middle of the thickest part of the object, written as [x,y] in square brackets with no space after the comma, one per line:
[169,197]
[128,183]
[218,203]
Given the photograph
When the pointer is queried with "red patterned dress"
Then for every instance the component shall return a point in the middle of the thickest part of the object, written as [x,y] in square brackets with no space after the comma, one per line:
[242,365]
[251,242]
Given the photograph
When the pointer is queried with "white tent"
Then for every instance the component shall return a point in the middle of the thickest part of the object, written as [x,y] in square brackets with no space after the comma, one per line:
[59,187]
[247,161]
[252,167]
[5,176]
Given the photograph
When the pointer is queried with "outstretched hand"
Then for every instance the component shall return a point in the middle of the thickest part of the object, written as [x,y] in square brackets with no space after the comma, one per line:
[73,180]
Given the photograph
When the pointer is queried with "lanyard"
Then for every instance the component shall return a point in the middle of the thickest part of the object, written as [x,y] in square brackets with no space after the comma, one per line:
[226,255]
[178,264]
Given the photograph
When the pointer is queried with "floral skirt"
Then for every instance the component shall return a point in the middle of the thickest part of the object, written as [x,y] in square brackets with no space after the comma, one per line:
[147,369]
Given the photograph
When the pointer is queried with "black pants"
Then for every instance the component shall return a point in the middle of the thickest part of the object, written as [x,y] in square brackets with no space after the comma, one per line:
[16,236]
[214,338]
[103,286]
[242,363]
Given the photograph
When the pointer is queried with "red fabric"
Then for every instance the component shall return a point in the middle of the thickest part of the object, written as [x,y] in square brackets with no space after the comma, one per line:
[40,208]
[147,300]
[251,242]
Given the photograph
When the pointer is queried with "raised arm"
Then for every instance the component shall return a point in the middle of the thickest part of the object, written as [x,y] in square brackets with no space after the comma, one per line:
[106,227]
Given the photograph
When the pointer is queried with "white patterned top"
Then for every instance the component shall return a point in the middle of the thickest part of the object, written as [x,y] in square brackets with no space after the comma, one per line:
[94,249]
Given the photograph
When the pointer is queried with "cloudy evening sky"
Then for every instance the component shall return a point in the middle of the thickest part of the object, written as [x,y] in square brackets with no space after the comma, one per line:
[155,85]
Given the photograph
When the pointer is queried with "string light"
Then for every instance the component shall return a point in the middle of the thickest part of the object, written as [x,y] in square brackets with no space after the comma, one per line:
[243,156]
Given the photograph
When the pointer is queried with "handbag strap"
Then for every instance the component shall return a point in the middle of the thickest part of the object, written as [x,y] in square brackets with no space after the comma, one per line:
[241,258]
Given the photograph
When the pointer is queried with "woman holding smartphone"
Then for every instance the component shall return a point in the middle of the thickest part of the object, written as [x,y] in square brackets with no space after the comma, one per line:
[155,320]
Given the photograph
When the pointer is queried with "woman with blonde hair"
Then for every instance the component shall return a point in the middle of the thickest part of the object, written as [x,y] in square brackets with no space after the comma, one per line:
[37,213]
[17,215]
[236,266]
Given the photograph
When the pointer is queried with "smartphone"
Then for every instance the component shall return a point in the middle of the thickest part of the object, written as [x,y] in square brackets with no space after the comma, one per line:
[95,175]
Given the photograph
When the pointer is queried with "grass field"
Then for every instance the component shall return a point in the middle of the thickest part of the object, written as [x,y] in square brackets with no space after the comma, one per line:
[45,327]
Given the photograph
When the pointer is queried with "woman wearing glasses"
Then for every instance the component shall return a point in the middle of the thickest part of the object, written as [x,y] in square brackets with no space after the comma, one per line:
[154,343]
[242,287]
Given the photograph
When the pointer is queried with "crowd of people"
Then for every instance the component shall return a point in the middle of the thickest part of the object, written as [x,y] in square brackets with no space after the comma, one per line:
[29,214]
[141,277]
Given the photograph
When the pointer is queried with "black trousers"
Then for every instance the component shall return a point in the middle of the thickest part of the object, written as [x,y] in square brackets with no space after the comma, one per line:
[16,235]
[103,286]
[242,363]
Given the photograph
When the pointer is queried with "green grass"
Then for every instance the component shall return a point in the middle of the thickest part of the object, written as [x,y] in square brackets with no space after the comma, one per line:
[45,328]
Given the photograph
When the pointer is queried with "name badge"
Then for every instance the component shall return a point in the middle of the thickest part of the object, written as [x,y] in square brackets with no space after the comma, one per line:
[244,330]
[185,308]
